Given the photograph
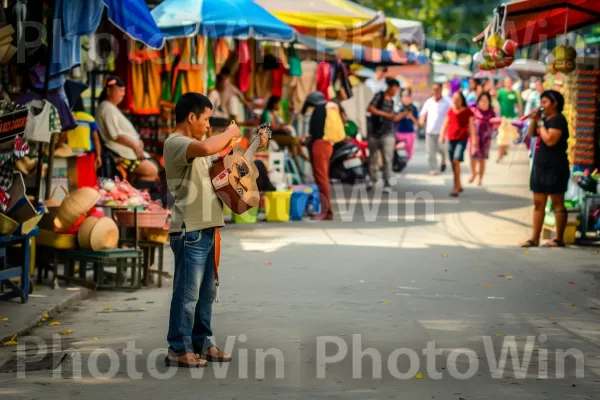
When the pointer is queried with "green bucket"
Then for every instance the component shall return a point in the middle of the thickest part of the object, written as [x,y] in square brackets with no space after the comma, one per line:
[249,217]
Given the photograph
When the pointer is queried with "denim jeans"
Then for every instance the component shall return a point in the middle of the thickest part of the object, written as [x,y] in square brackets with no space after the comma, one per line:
[193,291]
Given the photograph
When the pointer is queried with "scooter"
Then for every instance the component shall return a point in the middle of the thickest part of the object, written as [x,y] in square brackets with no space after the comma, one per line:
[347,163]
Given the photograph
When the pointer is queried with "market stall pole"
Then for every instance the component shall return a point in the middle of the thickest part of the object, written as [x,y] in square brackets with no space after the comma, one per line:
[6,274]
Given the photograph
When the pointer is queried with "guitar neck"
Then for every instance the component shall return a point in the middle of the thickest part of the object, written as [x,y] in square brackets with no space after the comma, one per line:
[249,154]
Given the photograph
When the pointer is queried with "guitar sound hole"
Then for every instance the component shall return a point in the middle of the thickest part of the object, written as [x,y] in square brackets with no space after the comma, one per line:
[242,170]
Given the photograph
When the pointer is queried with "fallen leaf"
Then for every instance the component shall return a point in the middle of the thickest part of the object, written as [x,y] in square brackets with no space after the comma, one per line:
[74,289]
[487,286]
[108,308]
[39,323]
[500,275]
[445,270]
[5,319]
[419,375]
[9,343]
[268,263]
[46,316]
[573,305]
[54,323]
[497,334]
[525,251]
[572,283]
[444,255]
[509,277]
[476,262]
[552,318]
[95,338]
[142,309]
[67,332]
[385,302]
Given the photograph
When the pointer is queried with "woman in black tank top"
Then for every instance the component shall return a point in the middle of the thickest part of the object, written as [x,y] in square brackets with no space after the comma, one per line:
[550,172]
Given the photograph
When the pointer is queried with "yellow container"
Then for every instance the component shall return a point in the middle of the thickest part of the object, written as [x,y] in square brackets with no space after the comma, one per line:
[277,206]
[570,233]
[249,217]
[60,241]
[8,226]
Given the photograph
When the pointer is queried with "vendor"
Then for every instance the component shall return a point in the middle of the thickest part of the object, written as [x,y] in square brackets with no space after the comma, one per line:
[120,136]
[283,134]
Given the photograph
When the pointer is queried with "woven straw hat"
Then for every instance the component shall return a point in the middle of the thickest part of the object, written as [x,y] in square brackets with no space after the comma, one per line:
[74,206]
[98,234]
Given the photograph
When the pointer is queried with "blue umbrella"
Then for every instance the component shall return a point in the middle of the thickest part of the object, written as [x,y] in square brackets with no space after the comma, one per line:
[133,18]
[217,19]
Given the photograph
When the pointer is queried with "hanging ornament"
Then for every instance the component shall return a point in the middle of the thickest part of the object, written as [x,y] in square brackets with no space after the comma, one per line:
[564,56]
[4,200]
[21,149]
[497,51]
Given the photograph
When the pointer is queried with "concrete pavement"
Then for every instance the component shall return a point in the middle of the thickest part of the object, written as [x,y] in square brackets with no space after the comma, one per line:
[388,279]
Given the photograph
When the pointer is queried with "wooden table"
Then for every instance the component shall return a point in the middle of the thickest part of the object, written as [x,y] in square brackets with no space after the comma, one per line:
[135,220]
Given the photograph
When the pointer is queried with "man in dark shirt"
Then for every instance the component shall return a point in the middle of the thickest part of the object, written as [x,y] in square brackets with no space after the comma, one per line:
[381,133]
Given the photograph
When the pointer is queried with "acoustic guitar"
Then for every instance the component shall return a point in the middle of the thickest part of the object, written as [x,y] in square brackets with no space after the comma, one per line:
[234,176]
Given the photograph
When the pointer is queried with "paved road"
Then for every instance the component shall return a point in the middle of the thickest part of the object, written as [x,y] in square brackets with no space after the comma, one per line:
[314,296]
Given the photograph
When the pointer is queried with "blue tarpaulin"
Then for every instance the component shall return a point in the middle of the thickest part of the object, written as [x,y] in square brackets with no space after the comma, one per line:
[225,18]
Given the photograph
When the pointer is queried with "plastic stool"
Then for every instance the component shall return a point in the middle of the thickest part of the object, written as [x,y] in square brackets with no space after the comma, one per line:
[277,206]
[299,203]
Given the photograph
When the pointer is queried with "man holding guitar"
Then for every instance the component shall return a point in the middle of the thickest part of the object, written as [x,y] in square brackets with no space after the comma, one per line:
[196,214]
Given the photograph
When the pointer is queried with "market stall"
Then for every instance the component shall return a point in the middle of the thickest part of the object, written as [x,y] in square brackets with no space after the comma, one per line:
[529,22]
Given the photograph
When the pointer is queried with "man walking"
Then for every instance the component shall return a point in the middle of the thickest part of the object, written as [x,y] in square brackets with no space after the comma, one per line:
[197,213]
[511,107]
[433,114]
[381,136]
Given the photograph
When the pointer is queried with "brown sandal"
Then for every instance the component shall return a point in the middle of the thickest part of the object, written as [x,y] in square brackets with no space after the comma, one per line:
[219,357]
[555,243]
[529,243]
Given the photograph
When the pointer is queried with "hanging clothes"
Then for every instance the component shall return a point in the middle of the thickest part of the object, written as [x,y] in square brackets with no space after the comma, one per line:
[295,63]
[42,121]
[146,81]
[305,84]
[324,78]
[81,138]
[67,120]
[277,81]
[245,66]
[341,79]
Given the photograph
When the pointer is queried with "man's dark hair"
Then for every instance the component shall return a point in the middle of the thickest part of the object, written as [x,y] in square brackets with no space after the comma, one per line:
[391,82]
[436,84]
[191,103]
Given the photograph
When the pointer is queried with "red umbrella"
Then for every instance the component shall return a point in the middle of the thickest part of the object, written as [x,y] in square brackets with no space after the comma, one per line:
[532,21]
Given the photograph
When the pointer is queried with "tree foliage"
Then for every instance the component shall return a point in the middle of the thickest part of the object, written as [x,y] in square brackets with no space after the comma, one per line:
[442,19]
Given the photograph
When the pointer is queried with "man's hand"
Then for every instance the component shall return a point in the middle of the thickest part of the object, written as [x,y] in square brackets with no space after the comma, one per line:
[442,139]
[97,162]
[264,140]
[139,152]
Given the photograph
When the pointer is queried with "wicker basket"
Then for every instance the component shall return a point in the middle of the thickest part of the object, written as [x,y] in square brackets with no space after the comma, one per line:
[146,218]
[74,206]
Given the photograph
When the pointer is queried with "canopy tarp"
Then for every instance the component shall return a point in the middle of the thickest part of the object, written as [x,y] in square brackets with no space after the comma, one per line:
[408,31]
[532,21]
[133,17]
[225,18]
[451,70]
[337,20]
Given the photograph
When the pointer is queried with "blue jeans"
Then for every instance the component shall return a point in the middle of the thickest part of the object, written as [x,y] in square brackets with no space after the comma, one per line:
[193,291]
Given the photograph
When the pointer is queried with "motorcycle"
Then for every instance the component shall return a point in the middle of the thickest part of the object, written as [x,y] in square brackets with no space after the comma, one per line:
[347,163]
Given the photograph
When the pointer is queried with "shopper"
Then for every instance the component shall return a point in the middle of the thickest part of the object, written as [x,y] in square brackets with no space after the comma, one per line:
[283,134]
[406,122]
[381,136]
[378,82]
[485,123]
[433,114]
[458,128]
[550,172]
[533,103]
[511,108]
[197,213]
[471,92]
[119,134]
[326,128]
